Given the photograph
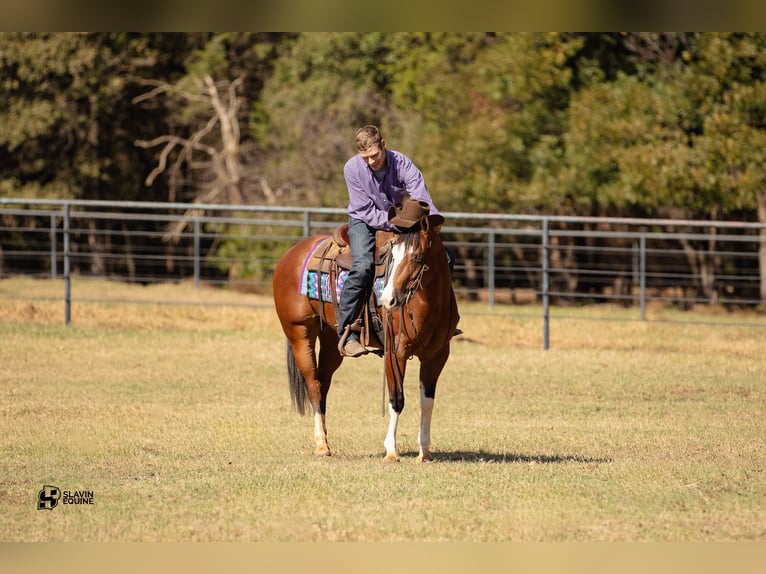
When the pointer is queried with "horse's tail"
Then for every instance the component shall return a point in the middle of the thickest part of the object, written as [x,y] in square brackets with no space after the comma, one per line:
[298,391]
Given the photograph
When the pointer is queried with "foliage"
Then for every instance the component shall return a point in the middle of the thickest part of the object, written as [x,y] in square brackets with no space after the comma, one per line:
[629,124]
[559,123]
[68,122]
[323,87]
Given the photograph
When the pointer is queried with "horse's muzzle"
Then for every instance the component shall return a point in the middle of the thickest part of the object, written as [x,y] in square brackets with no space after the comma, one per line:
[392,301]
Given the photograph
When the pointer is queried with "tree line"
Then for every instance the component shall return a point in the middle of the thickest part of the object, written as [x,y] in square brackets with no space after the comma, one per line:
[626,124]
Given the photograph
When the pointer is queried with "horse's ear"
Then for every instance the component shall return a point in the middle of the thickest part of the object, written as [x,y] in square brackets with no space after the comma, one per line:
[435,220]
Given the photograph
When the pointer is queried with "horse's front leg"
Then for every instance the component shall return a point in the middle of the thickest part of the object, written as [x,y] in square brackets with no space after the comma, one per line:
[392,455]
[395,367]
[429,375]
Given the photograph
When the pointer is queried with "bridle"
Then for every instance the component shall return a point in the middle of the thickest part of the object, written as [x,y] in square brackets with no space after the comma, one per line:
[419,258]
[417,282]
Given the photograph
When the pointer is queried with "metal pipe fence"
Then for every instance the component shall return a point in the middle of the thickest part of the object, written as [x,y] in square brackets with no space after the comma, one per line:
[502,259]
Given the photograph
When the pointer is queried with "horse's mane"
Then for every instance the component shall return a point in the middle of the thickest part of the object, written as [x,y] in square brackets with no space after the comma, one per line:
[411,235]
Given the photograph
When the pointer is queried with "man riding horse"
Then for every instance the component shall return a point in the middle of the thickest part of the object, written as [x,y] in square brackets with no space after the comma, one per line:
[377,179]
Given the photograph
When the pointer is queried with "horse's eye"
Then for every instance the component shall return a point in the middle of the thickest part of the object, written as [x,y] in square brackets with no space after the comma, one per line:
[419,258]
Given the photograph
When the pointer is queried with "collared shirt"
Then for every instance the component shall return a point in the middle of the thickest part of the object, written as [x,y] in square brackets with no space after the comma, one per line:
[369,200]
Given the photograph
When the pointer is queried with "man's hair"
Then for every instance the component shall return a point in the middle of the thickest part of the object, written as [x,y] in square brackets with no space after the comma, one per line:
[367,138]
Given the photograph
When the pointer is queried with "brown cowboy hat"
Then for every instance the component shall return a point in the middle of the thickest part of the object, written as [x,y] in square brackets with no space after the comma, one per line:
[410,213]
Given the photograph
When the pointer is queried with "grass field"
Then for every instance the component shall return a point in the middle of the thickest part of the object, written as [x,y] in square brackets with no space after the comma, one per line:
[177,418]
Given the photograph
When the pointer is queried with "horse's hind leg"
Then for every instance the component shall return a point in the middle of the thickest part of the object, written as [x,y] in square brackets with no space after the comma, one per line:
[317,379]
[424,436]
[329,361]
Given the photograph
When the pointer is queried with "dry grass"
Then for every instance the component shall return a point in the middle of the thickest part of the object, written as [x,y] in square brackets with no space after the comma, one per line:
[177,417]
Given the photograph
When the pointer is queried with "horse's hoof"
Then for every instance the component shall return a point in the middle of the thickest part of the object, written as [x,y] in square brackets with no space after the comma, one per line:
[322,452]
[425,457]
[391,457]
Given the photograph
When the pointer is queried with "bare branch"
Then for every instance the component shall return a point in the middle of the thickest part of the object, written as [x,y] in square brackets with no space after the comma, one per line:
[218,139]
[160,88]
[170,143]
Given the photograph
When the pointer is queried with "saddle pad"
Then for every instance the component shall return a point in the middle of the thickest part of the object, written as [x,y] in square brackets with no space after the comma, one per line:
[314,284]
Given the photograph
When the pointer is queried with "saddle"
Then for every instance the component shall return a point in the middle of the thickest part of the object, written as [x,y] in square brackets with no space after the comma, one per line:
[333,252]
[333,257]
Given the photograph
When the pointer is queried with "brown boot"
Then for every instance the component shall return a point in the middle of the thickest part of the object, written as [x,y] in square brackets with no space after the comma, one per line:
[353,348]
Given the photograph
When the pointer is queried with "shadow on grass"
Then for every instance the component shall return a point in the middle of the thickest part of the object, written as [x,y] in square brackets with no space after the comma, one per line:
[510,458]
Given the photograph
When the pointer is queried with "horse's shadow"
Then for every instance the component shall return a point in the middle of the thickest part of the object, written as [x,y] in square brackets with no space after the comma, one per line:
[484,457]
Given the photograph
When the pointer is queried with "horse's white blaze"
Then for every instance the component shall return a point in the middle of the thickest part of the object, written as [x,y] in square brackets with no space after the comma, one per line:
[426,410]
[393,422]
[397,255]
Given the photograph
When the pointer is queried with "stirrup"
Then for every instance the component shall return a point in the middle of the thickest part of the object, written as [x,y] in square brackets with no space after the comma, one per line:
[342,345]
[354,348]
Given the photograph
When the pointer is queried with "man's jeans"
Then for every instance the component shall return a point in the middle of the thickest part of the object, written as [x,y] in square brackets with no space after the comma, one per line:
[359,281]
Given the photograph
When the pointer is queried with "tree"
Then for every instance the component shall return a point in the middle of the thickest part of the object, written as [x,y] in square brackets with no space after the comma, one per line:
[730,147]
[323,88]
[67,119]
[216,138]
[204,151]
[680,137]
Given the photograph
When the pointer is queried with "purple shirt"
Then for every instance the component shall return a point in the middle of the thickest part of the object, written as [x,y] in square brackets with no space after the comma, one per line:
[370,200]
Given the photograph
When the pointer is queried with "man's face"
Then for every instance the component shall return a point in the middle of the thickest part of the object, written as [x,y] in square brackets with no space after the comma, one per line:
[375,157]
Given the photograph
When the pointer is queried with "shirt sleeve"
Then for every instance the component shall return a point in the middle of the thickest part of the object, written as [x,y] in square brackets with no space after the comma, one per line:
[413,181]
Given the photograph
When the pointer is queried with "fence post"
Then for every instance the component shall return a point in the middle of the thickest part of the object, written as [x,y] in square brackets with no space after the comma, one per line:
[53,246]
[642,275]
[196,252]
[546,288]
[306,223]
[67,282]
[491,267]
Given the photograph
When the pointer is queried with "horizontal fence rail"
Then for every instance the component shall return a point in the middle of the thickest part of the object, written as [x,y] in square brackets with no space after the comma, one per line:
[502,259]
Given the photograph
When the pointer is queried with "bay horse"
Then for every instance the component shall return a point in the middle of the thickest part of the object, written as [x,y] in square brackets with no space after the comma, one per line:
[419,313]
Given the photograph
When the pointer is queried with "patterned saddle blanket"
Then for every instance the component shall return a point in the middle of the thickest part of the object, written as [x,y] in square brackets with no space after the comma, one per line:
[325,266]
[317,285]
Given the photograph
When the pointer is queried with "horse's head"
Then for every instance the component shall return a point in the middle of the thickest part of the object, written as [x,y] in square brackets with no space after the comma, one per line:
[409,255]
